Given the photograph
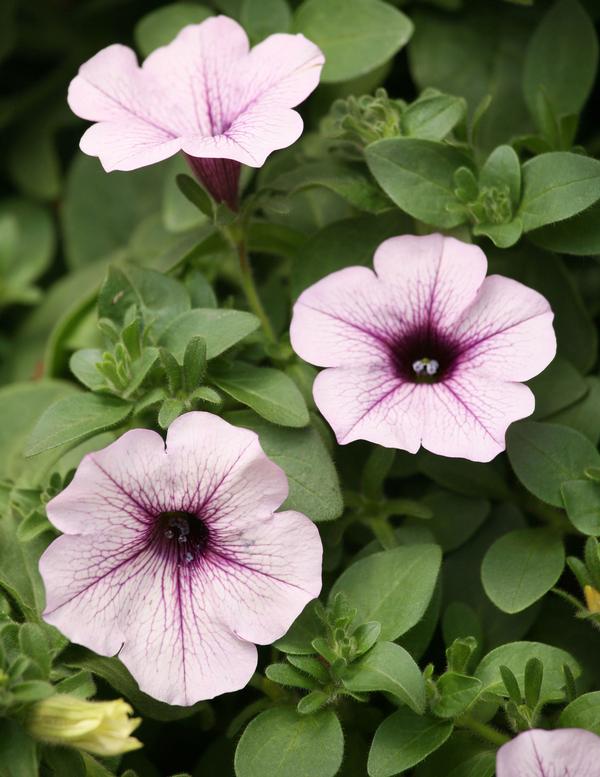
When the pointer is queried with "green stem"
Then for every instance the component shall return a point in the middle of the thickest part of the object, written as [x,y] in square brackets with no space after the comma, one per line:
[483,730]
[383,531]
[251,292]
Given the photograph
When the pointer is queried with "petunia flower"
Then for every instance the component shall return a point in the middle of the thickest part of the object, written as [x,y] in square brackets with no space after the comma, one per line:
[568,752]
[205,94]
[426,350]
[173,558]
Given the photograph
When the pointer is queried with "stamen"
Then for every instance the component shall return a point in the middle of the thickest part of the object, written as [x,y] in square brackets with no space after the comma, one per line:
[430,366]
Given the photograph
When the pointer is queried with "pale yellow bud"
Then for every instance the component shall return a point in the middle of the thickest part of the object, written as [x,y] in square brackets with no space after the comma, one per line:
[592,598]
[98,727]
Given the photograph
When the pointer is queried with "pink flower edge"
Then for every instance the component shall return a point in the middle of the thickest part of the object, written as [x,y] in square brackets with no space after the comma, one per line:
[560,753]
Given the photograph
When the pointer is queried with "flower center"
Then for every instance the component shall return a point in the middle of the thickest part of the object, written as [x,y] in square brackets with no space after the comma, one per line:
[424,356]
[182,533]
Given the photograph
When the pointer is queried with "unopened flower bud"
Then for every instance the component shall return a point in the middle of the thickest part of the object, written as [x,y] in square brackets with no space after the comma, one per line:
[592,598]
[99,727]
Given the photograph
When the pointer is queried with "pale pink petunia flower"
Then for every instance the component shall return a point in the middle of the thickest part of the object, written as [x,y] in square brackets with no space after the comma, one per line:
[568,752]
[205,94]
[425,350]
[173,558]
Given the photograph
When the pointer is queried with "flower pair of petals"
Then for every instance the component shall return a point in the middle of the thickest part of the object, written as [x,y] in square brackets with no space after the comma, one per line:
[428,303]
[174,559]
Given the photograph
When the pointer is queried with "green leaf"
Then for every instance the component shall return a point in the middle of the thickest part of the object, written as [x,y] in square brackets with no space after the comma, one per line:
[221,329]
[195,194]
[356,36]
[284,674]
[456,693]
[116,674]
[515,656]
[582,503]
[159,27]
[556,186]
[75,419]
[418,175]
[583,712]
[301,453]
[271,393]
[476,55]
[351,184]
[579,235]
[32,690]
[100,211]
[83,365]
[169,411]
[404,740]
[561,60]
[583,415]
[18,756]
[522,566]
[388,667]
[159,298]
[282,743]
[433,117]
[558,386]
[544,456]
[502,167]
[455,517]
[393,587]
[299,637]
[345,243]
[261,18]
[33,243]
[465,477]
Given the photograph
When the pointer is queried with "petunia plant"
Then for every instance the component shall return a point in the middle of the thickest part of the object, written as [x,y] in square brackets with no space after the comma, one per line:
[299,392]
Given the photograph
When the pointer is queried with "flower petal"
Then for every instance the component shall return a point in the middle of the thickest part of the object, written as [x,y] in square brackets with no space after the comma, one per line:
[537,753]
[128,145]
[112,485]
[264,575]
[507,330]
[467,415]
[368,402]
[434,277]
[195,76]
[346,318]
[158,617]
[221,471]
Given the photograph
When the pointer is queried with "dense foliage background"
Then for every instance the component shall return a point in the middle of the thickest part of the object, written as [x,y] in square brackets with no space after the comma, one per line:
[486,130]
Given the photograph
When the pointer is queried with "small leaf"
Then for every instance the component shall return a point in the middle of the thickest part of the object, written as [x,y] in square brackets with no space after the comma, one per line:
[76,419]
[582,503]
[393,587]
[193,192]
[282,743]
[194,363]
[544,456]
[169,411]
[312,702]
[522,566]
[221,329]
[388,667]
[404,740]
[271,393]
[457,692]
[284,674]
[556,186]
[418,175]
[583,712]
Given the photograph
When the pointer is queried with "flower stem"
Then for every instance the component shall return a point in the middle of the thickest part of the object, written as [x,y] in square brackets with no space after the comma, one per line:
[251,292]
[483,730]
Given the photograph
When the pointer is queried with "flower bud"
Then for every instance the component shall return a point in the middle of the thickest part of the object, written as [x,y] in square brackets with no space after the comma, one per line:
[98,727]
[592,598]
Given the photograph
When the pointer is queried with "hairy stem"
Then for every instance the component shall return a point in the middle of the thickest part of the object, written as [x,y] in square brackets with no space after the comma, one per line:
[483,730]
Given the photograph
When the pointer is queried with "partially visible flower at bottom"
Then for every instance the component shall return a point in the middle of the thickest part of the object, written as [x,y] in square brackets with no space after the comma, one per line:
[425,350]
[173,557]
[102,728]
[567,752]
